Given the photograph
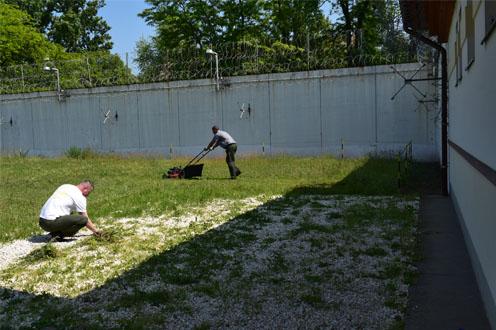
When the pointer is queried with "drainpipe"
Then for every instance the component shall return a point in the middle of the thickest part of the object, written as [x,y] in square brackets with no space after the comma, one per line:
[444,104]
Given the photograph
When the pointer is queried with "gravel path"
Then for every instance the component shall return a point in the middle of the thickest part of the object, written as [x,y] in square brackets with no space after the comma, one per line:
[11,252]
[309,262]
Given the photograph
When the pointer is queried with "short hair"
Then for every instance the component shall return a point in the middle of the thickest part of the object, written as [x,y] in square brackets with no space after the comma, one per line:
[215,127]
[87,183]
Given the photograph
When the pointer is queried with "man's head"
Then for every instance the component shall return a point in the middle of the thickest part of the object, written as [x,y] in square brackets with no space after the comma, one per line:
[86,187]
[215,129]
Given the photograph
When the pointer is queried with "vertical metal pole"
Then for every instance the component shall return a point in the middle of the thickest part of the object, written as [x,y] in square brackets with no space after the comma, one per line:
[89,72]
[22,78]
[256,56]
[170,152]
[217,70]
[127,68]
[308,51]
[360,31]
[342,149]
[406,159]
[399,168]
[167,64]
[58,83]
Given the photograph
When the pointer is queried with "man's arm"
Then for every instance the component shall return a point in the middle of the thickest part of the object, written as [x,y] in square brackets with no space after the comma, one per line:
[212,143]
[90,224]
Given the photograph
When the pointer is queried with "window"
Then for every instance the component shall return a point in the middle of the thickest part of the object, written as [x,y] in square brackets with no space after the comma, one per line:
[469,33]
[458,50]
[460,45]
[490,18]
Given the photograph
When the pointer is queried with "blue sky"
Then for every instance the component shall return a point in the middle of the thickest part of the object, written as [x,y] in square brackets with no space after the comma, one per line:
[126,27]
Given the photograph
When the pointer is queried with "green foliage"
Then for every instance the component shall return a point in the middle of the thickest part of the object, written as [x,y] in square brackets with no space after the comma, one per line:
[75,71]
[78,153]
[372,28]
[255,37]
[19,40]
[71,24]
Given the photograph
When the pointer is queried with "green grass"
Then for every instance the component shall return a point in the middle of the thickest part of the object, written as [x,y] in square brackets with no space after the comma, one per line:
[223,250]
[132,186]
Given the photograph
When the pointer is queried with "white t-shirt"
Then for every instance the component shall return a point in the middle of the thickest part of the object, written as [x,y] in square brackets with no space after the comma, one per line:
[65,200]
[223,138]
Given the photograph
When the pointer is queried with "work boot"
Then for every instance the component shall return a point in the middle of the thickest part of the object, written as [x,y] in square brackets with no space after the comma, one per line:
[57,236]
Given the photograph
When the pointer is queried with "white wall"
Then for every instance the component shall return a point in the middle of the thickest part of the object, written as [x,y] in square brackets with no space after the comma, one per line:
[472,126]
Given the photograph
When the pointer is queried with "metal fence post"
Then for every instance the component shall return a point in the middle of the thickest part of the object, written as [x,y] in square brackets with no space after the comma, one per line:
[256,56]
[127,68]
[308,51]
[22,78]
[399,168]
[89,71]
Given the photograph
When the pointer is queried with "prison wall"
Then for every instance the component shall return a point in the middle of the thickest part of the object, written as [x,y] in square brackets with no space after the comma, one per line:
[299,113]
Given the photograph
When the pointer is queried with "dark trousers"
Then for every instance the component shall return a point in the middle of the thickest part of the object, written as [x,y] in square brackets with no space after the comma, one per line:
[68,225]
[230,160]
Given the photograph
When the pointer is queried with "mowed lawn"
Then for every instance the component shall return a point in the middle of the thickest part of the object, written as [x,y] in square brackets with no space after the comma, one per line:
[294,243]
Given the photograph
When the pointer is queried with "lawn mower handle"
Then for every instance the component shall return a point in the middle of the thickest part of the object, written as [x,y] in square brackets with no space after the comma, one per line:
[197,160]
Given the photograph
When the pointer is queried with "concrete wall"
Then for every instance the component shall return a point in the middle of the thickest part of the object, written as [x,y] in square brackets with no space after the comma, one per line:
[303,113]
[472,119]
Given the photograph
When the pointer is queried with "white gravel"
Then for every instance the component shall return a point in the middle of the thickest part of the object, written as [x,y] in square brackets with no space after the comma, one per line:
[295,266]
[11,252]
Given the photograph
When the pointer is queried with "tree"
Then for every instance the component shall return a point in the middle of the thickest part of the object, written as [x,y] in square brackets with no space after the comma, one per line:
[74,24]
[241,19]
[394,40]
[19,40]
[291,20]
[184,23]
[372,27]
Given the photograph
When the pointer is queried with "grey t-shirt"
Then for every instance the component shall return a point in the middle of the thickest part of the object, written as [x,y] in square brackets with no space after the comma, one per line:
[223,138]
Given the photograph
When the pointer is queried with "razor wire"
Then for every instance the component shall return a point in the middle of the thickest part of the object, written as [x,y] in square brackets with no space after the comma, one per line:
[248,57]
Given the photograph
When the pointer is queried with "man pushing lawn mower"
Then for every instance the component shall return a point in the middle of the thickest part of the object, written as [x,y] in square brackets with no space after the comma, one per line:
[223,139]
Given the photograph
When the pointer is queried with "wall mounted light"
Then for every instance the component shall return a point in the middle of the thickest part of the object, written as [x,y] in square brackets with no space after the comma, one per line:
[211,52]
[47,68]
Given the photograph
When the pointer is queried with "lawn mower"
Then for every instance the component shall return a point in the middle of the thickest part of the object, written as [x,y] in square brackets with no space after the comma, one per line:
[192,169]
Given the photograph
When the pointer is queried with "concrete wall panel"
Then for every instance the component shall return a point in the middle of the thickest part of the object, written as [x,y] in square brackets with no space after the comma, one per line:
[82,114]
[20,133]
[121,133]
[295,116]
[49,126]
[158,121]
[199,112]
[296,113]
[349,112]
[253,128]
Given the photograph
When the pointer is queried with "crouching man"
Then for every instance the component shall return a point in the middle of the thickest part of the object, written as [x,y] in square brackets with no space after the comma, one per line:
[56,215]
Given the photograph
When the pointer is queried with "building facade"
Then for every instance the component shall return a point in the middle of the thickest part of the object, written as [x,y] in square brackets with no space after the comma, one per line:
[466,32]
